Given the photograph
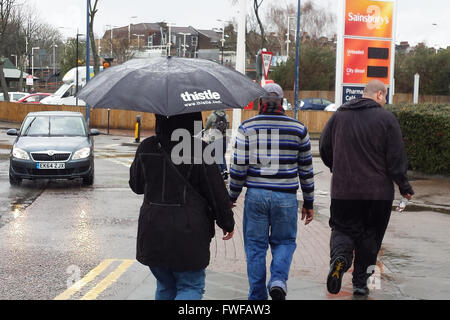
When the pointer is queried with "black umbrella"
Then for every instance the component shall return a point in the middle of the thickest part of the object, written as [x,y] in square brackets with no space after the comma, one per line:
[170,86]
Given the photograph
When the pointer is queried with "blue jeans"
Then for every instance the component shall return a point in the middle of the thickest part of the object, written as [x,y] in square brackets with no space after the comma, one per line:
[222,144]
[185,285]
[270,217]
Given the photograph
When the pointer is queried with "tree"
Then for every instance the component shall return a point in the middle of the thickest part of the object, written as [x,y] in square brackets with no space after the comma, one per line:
[256,5]
[317,68]
[92,12]
[433,68]
[69,58]
[6,14]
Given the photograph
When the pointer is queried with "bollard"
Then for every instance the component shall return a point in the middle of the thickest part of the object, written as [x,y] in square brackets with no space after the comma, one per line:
[109,111]
[137,129]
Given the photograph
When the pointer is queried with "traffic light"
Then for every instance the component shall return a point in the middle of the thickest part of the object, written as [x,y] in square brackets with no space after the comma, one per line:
[107,62]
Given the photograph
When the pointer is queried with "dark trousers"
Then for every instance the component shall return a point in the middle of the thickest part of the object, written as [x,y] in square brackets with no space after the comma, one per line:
[358,226]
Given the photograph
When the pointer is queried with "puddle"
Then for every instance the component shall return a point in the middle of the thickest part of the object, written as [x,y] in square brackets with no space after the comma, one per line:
[18,205]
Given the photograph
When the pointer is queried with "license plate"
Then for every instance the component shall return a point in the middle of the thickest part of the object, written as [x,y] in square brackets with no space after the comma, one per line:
[50,165]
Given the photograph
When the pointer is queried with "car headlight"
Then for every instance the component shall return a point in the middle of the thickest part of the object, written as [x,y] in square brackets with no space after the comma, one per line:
[81,154]
[20,154]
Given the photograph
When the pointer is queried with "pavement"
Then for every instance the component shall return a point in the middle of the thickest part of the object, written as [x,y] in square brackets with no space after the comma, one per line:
[412,263]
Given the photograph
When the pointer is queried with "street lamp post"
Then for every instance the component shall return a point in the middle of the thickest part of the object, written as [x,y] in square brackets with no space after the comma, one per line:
[287,36]
[54,58]
[76,80]
[129,30]
[111,32]
[32,60]
[184,45]
[139,37]
[169,41]
[222,41]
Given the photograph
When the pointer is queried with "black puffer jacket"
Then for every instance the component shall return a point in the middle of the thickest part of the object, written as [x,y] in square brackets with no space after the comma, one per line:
[175,227]
[362,145]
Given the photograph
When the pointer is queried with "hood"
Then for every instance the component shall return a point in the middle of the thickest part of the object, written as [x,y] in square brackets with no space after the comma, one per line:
[167,125]
[359,103]
[35,144]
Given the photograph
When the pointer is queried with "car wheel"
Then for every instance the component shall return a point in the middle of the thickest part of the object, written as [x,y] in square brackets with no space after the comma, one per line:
[14,181]
[89,180]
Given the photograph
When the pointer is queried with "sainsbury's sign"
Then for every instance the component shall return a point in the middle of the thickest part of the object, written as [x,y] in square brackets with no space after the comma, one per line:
[369,18]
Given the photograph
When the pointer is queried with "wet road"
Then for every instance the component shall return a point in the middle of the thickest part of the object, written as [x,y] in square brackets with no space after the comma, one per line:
[52,233]
[60,239]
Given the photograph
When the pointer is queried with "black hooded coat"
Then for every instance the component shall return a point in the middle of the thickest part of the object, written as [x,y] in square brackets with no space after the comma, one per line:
[176,221]
[362,145]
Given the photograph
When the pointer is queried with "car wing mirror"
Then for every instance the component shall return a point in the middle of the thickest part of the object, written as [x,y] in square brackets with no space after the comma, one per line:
[12,132]
[94,132]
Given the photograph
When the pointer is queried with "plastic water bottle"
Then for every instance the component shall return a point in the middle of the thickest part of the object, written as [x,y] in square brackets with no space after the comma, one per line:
[402,204]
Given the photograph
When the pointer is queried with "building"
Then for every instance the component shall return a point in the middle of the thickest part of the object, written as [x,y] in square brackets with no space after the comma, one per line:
[145,40]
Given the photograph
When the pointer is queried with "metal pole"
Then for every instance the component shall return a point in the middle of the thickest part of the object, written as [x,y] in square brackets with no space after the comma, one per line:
[109,111]
[54,59]
[287,41]
[240,59]
[416,88]
[88,58]
[76,81]
[169,44]
[297,62]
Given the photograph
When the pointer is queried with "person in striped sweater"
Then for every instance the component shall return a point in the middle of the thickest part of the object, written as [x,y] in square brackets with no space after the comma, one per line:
[272,151]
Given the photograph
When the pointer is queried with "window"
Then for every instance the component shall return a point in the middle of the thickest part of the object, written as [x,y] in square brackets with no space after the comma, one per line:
[53,126]
[150,41]
[163,38]
[194,41]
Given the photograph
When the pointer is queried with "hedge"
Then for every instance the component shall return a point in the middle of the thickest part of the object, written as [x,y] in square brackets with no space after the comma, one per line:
[426,134]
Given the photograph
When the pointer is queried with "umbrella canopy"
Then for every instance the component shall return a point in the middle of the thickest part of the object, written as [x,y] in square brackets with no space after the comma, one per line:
[170,86]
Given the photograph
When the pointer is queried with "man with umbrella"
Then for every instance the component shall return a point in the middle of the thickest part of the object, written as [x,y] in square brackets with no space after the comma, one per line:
[181,202]
[183,194]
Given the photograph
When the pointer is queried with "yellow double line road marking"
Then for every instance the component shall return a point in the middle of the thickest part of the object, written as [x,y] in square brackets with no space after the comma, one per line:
[100,287]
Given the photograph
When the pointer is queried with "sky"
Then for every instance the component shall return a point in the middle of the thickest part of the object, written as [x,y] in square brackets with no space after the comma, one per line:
[417,20]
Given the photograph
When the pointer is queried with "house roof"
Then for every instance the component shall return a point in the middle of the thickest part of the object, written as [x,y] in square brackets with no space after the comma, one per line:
[189,29]
[211,34]
[11,71]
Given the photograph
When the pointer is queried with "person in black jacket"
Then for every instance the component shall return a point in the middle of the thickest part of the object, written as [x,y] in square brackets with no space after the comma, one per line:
[181,203]
[362,145]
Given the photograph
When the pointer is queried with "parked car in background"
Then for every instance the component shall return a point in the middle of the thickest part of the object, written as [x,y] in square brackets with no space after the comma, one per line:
[287,105]
[52,145]
[314,104]
[14,96]
[34,98]
[331,107]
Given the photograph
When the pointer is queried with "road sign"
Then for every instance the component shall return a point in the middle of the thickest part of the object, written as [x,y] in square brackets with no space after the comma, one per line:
[29,80]
[266,62]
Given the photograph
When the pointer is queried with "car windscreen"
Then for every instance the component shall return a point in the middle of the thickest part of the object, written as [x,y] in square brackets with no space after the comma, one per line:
[53,126]
[61,90]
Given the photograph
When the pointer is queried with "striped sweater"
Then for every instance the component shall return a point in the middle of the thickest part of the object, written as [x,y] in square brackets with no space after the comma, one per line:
[271,152]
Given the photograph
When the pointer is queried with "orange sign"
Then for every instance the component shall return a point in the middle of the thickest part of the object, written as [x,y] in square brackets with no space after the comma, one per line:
[368,18]
[365,60]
